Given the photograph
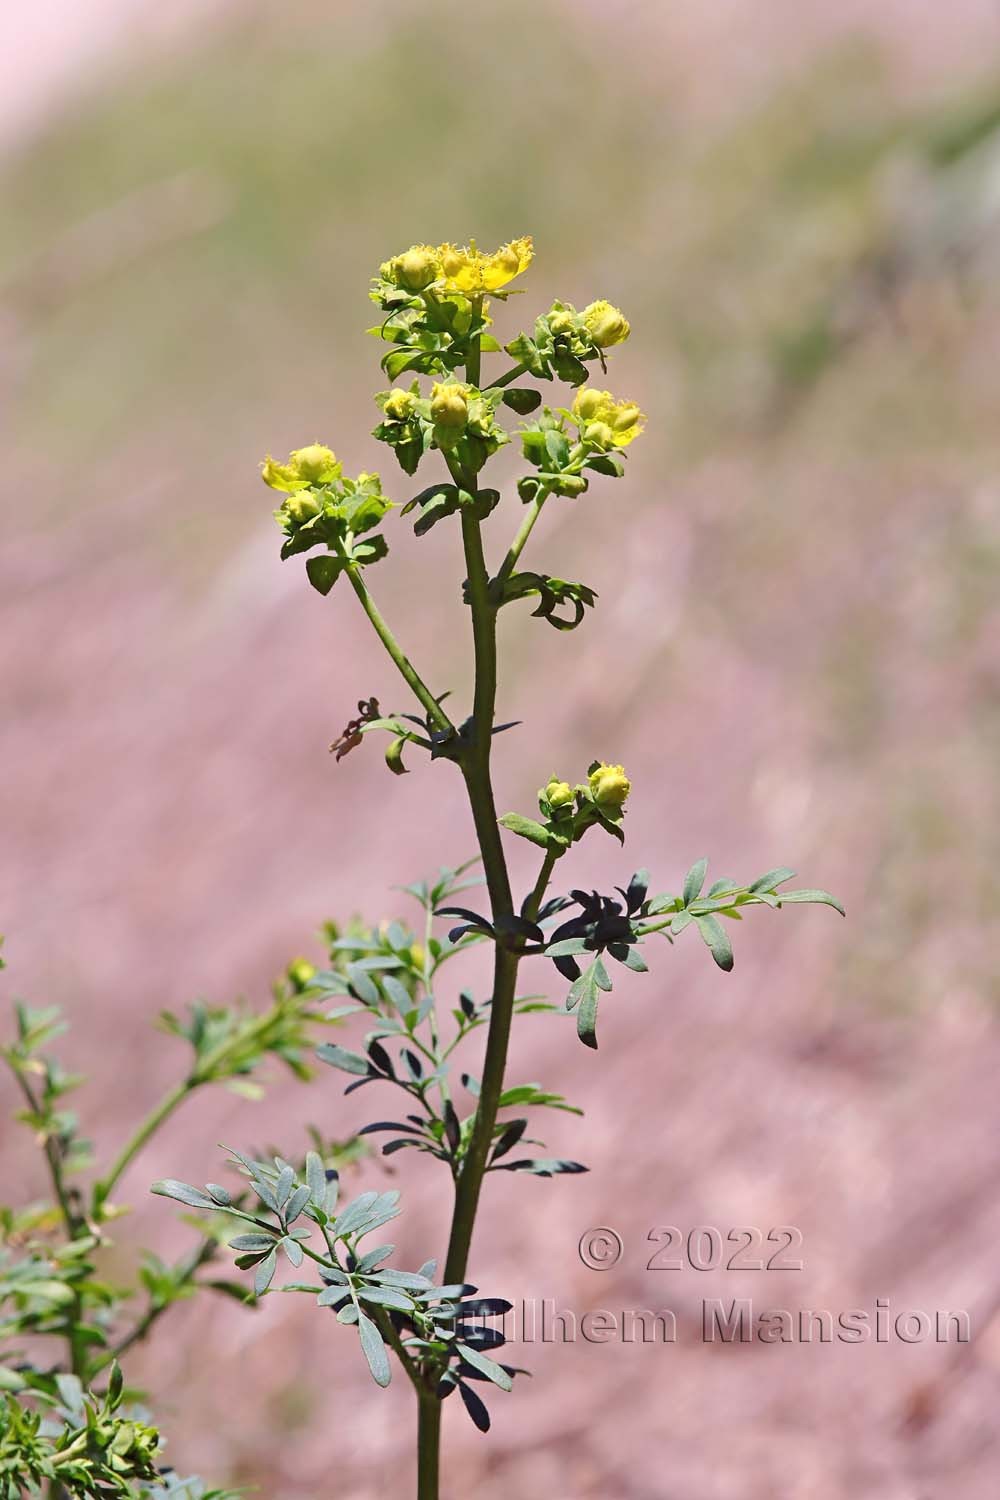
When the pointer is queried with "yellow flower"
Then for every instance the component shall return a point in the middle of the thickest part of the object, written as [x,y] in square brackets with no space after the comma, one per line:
[312,465]
[415,269]
[606,324]
[399,404]
[601,414]
[467,269]
[609,786]
[558,793]
[449,407]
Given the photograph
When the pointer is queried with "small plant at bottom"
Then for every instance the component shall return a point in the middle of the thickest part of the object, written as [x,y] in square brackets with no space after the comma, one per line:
[69,1424]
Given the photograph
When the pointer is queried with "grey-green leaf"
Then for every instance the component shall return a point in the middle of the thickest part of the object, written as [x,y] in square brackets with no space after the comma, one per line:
[169,1187]
[485,1366]
[717,940]
[819,898]
[374,1350]
[694,880]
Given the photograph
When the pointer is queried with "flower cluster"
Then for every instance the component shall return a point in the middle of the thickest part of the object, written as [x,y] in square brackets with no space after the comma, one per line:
[568,811]
[452,268]
[434,299]
[323,509]
[604,426]
[565,341]
[604,422]
[455,418]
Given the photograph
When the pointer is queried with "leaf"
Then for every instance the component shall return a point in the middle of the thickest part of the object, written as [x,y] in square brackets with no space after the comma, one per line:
[323,570]
[340,1057]
[633,959]
[818,898]
[264,1274]
[717,940]
[474,1406]
[509,1138]
[332,1296]
[394,756]
[316,1178]
[374,1350]
[485,1366]
[543,1166]
[566,946]
[694,880]
[522,399]
[768,881]
[586,992]
[526,828]
[386,1296]
[253,1243]
[169,1187]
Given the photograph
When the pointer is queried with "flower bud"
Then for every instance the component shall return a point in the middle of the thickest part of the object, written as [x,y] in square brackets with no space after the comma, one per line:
[569,485]
[609,787]
[301,508]
[448,406]
[301,973]
[558,793]
[626,417]
[588,403]
[416,268]
[454,261]
[560,321]
[314,462]
[606,324]
[399,404]
[599,434]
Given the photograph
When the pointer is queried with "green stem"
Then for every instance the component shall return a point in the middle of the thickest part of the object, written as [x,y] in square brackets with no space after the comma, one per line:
[413,679]
[146,1130]
[541,885]
[517,545]
[511,374]
[76,1227]
[428,1446]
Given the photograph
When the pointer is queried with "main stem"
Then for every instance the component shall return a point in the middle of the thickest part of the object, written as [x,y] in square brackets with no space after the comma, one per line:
[474,760]
[479,785]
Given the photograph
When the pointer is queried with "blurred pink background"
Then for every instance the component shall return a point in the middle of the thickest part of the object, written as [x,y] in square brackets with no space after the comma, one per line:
[796,655]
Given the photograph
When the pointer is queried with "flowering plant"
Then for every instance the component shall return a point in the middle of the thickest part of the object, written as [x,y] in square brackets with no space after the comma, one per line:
[434,303]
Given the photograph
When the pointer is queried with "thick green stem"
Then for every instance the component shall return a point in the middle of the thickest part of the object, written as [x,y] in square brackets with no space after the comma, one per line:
[409,673]
[474,759]
[428,1446]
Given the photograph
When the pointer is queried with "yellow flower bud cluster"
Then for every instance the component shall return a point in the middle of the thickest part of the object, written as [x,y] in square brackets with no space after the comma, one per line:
[465,269]
[306,467]
[604,422]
